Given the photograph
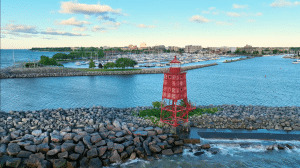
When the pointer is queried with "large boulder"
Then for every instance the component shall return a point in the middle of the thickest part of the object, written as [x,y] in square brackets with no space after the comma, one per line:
[13,149]
[95,163]
[115,157]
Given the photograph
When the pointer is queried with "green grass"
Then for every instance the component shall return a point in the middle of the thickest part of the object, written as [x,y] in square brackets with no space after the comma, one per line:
[103,70]
[154,114]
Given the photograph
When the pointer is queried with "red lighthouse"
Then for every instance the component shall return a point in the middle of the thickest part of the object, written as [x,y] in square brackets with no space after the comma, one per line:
[174,90]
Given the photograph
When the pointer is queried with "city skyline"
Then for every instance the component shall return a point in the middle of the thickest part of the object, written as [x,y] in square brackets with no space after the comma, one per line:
[86,23]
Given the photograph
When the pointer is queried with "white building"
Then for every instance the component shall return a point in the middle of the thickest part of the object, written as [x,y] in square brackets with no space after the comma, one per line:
[143,45]
[233,49]
[192,49]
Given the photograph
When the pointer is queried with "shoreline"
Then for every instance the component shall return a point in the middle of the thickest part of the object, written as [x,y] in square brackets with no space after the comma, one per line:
[61,72]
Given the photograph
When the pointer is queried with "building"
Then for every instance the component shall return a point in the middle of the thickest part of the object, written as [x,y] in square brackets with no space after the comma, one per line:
[233,49]
[132,47]
[159,47]
[192,49]
[143,46]
[173,48]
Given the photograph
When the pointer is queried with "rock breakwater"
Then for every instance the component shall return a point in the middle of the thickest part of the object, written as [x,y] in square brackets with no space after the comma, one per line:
[60,72]
[81,137]
[249,117]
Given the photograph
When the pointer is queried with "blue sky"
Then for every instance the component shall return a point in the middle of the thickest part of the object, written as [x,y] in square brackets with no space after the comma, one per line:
[32,23]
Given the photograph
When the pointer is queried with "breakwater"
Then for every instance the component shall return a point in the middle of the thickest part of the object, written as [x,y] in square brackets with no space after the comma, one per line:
[249,117]
[99,136]
[240,59]
[60,71]
[81,137]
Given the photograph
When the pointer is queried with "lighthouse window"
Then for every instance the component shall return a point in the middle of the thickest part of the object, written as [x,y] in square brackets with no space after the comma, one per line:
[169,76]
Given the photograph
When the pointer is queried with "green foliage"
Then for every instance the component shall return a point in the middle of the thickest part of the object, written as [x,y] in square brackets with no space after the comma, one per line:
[125,62]
[244,52]
[237,51]
[92,64]
[275,51]
[48,61]
[66,49]
[156,104]
[109,65]
[31,65]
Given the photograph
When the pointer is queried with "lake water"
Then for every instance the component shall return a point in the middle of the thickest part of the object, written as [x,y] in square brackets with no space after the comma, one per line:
[269,81]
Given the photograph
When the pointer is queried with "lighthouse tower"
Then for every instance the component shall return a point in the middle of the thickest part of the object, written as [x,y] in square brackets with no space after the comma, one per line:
[173,111]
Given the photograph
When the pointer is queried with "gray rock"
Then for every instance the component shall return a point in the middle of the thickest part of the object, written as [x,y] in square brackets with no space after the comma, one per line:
[167,152]
[44,148]
[67,147]
[36,133]
[96,139]
[119,134]
[63,155]
[2,149]
[31,148]
[5,140]
[59,163]
[38,140]
[119,148]
[84,162]
[155,148]
[115,157]
[116,124]
[13,149]
[178,150]
[79,149]
[54,151]
[140,133]
[102,150]
[89,129]
[24,154]
[69,136]
[92,153]
[13,162]
[101,143]
[95,163]
[132,156]
[74,156]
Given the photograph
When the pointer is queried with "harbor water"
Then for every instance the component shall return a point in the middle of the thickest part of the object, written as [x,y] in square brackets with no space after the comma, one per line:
[268,81]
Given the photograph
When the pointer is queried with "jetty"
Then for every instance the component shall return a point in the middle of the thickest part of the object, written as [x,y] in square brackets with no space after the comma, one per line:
[61,71]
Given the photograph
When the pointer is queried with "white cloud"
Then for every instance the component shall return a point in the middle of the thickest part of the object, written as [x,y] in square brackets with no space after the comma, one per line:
[233,14]
[206,12]
[87,16]
[80,28]
[106,17]
[98,28]
[21,29]
[199,19]
[110,23]
[258,14]
[72,21]
[74,7]
[243,14]
[224,23]
[283,3]
[251,20]
[50,31]
[212,8]
[215,13]
[236,6]
[144,26]
[103,31]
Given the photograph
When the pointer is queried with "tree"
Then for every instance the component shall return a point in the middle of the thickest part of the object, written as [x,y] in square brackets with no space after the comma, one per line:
[109,65]
[125,62]
[48,61]
[244,52]
[100,66]
[237,51]
[101,53]
[92,64]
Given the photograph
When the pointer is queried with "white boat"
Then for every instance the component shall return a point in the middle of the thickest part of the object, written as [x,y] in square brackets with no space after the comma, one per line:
[136,66]
[77,63]
[295,62]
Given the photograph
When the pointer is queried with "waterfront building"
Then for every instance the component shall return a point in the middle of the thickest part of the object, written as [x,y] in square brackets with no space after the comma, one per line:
[233,49]
[143,46]
[192,49]
[132,47]
[173,48]
[159,47]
